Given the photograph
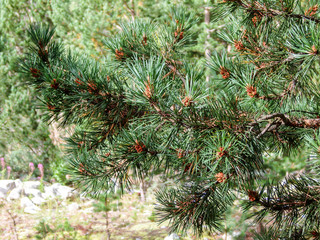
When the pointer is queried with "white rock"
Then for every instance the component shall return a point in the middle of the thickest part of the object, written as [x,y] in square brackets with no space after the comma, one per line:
[84,197]
[31,210]
[172,236]
[37,200]
[50,192]
[56,185]
[31,184]
[229,237]
[14,194]
[7,185]
[73,207]
[26,202]
[18,183]
[2,195]
[88,203]
[87,210]
[65,192]
[3,191]
[32,192]
[236,233]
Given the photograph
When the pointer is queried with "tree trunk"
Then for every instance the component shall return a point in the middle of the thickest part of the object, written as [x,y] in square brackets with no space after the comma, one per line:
[107,219]
[206,43]
[142,190]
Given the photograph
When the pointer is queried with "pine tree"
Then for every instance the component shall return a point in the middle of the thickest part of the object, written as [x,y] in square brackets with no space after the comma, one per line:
[150,108]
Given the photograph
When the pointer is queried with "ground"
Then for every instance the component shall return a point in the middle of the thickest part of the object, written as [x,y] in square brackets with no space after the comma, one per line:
[75,218]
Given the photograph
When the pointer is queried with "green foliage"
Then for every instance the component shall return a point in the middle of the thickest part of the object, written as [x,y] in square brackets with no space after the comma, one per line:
[147,107]
[107,202]
[43,230]
[152,217]
[62,230]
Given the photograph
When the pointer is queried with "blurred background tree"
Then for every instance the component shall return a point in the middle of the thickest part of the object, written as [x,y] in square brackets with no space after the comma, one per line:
[24,137]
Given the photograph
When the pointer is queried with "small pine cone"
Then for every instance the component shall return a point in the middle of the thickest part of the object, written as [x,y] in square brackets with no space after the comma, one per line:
[43,53]
[54,84]
[77,80]
[224,72]
[180,153]
[40,44]
[186,101]
[119,54]
[181,36]
[315,234]
[313,51]
[35,72]
[312,11]
[220,177]
[139,147]
[187,167]
[80,144]
[253,196]
[81,168]
[238,45]
[148,89]
[144,40]
[251,91]
[256,18]
[51,107]
[221,152]
[92,87]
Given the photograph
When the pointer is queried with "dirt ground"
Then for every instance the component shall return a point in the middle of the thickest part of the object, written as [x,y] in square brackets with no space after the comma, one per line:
[77,219]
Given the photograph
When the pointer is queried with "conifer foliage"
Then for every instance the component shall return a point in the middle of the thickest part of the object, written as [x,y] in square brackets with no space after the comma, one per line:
[149,108]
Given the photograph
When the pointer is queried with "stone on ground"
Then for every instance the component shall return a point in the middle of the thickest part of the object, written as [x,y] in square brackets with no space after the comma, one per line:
[32,192]
[29,206]
[31,184]
[7,185]
[172,236]
[14,194]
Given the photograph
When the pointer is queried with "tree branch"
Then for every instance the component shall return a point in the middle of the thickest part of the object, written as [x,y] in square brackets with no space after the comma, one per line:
[175,70]
[299,123]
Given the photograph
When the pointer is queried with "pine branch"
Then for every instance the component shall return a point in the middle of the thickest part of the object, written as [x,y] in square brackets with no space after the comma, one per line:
[263,10]
[297,122]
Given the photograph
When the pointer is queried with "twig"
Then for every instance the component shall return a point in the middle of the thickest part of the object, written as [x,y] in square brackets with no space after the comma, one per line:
[273,12]
[265,129]
[159,126]
[107,218]
[217,28]
[283,117]
[175,70]
[14,224]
